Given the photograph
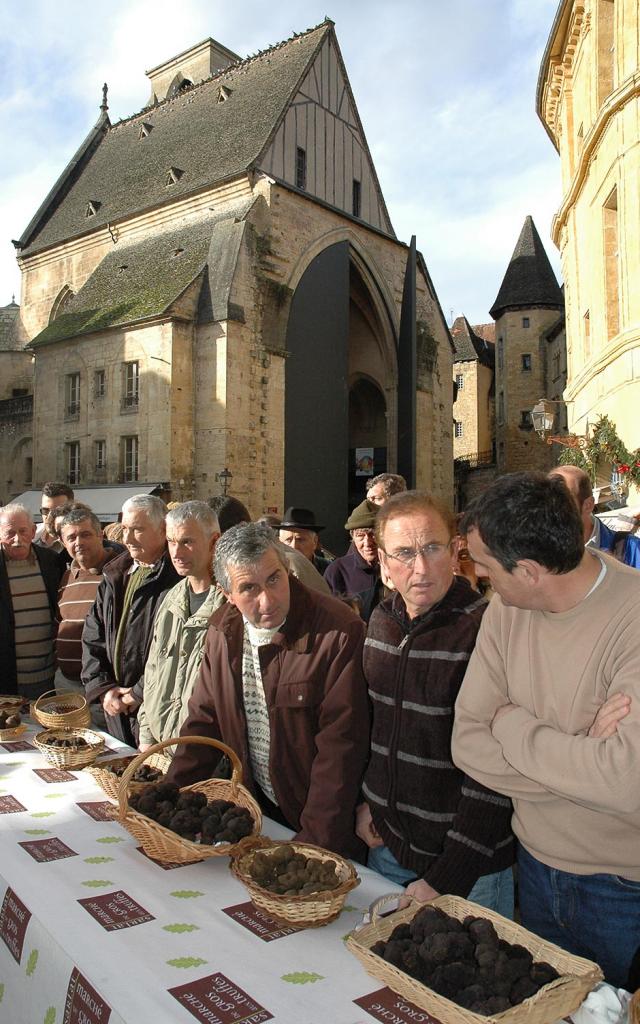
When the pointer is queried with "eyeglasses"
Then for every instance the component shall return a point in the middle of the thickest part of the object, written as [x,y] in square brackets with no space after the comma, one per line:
[431,552]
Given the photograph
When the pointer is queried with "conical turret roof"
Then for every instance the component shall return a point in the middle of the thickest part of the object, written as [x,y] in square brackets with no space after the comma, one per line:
[529,281]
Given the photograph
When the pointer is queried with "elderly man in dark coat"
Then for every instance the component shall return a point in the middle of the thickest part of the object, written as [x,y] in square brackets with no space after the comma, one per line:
[118,629]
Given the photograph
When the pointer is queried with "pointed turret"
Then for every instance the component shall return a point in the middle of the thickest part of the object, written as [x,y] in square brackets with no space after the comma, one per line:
[529,282]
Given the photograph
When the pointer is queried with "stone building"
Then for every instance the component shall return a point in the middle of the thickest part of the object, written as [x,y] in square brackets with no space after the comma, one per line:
[589,102]
[473,409]
[16,406]
[214,284]
[529,303]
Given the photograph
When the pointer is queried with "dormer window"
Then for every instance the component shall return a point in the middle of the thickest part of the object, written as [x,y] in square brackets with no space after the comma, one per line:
[223,94]
[173,175]
[92,208]
[145,130]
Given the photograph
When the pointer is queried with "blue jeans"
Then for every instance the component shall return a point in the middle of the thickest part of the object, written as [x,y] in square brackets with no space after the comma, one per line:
[594,916]
[495,892]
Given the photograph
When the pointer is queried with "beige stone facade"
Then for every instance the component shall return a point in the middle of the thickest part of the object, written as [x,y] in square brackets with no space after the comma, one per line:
[209,346]
[589,102]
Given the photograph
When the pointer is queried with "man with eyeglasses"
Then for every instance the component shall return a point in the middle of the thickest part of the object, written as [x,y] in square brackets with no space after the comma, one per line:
[427,825]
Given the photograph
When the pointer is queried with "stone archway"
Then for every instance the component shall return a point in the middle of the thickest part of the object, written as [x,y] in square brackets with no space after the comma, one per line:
[340,371]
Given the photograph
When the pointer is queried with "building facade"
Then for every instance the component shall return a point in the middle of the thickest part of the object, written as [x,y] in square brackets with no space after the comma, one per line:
[589,102]
[214,284]
[529,303]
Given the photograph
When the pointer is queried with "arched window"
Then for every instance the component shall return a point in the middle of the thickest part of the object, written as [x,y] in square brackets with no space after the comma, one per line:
[63,298]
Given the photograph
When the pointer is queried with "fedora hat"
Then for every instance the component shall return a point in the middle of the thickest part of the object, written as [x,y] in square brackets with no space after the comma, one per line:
[299,519]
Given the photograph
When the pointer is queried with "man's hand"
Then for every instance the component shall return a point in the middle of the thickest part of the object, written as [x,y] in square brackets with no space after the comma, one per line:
[144,746]
[418,890]
[504,710]
[365,829]
[118,700]
[612,712]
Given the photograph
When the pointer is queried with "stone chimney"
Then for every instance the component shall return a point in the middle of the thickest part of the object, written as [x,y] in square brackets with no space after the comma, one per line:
[201,61]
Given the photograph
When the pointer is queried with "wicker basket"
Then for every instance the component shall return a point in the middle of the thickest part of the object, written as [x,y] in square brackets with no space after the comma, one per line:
[110,782]
[551,1003]
[634,1008]
[61,710]
[310,911]
[12,734]
[70,757]
[161,843]
[13,703]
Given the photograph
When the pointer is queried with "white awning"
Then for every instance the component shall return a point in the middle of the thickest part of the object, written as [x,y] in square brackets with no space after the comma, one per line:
[106,501]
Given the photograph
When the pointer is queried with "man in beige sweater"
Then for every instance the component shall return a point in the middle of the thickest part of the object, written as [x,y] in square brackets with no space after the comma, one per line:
[549,714]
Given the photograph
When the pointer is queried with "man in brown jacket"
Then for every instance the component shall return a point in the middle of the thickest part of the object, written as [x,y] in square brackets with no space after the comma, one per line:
[281,683]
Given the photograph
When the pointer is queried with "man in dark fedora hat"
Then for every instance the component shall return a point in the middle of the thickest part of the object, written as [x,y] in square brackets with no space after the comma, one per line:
[299,530]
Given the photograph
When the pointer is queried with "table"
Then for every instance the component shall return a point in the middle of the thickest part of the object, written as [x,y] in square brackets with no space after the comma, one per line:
[92,931]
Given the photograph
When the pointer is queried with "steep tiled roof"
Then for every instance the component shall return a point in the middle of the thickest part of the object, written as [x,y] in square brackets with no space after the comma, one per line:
[8,321]
[529,282]
[486,331]
[469,345]
[204,140]
[143,279]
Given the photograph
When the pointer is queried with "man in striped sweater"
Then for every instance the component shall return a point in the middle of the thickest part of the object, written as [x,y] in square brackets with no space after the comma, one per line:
[427,825]
[29,577]
[81,534]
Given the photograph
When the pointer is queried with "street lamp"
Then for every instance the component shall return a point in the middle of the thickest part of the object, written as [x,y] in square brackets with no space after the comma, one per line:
[543,416]
[224,477]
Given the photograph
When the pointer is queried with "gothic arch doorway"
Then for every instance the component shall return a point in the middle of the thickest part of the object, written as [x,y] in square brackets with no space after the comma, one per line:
[340,384]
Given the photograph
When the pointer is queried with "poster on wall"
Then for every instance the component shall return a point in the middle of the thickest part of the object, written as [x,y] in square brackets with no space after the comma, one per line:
[364,461]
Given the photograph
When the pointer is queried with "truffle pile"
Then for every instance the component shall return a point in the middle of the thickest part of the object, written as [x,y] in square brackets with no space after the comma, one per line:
[145,773]
[465,961]
[191,816]
[59,741]
[287,873]
[9,721]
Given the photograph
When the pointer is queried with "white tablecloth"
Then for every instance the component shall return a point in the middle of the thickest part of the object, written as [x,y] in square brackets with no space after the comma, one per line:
[102,934]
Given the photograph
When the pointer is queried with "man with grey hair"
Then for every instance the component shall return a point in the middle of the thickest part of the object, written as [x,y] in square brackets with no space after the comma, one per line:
[118,629]
[181,623]
[281,683]
[29,577]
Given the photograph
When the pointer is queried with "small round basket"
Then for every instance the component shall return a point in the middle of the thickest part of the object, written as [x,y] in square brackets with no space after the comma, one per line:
[12,734]
[310,911]
[61,710]
[166,846]
[13,704]
[106,773]
[69,757]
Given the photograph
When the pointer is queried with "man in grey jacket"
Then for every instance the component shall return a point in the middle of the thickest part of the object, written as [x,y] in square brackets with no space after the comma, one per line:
[181,623]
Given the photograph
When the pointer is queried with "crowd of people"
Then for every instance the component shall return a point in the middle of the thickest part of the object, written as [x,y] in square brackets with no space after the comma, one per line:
[447,699]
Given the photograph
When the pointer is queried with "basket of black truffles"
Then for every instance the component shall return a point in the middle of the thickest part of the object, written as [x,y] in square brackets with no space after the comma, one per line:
[11,724]
[69,748]
[61,710]
[295,883]
[463,963]
[109,772]
[182,826]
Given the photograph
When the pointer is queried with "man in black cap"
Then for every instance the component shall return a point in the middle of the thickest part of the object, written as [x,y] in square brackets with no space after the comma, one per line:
[299,530]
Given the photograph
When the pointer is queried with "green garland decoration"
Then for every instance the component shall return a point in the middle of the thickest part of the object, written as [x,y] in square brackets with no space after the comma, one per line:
[605,446]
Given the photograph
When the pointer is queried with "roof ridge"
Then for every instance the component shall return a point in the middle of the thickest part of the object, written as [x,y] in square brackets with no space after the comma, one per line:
[238,65]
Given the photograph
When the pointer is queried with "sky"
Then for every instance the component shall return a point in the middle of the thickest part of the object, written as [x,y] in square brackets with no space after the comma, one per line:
[445,91]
